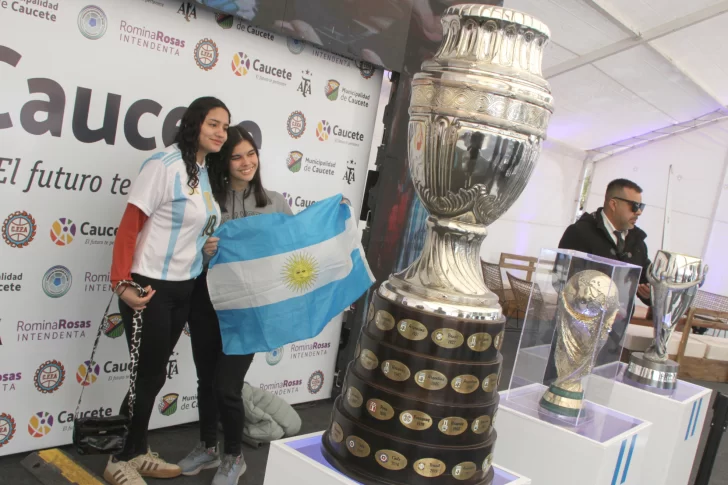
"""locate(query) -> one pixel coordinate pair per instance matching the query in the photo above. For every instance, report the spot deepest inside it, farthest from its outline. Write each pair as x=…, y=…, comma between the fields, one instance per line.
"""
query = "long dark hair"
x=219, y=169
x=188, y=136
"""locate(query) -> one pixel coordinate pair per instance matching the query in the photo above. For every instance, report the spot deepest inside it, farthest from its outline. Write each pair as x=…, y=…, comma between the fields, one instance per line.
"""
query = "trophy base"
x=373, y=457
x=657, y=375
x=562, y=402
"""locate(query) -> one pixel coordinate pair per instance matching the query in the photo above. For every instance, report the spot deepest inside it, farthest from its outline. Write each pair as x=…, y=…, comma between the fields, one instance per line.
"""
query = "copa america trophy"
x=420, y=398
x=588, y=306
x=674, y=280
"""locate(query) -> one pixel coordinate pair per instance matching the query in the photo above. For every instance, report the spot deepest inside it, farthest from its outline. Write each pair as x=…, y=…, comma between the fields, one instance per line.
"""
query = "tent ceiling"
x=622, y=68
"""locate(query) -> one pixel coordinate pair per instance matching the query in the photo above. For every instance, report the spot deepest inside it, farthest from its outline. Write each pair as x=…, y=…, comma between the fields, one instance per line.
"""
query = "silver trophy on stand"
x=674, y=280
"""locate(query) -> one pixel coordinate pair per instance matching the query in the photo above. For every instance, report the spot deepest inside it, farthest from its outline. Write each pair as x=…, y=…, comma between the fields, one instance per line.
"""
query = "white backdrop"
x=66, y=164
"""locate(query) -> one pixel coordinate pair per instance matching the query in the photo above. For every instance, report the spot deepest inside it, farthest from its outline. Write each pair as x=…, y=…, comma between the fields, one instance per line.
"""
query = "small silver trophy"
x=674, y=280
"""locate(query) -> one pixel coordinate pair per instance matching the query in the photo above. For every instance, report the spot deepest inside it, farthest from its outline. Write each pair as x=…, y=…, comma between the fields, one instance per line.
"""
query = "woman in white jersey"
x=170, y=214
x=237, y=186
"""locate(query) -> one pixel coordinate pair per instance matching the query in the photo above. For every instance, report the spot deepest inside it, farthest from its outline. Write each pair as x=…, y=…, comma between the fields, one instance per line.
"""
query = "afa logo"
x=168, y=404
x=240, y=64
x=49, y=377
x=206, y=54
x=92, y=22
x=113, y=327
x=224, y=20
x=19, y=229
x=274, y=356
x=63, y=231
x=316, y=382
x=323, y=130
x=57, y=281
x=40, y=424
x=294, y=161
x=305, y=87
x=296, y=124
x=296, y=46
x=88, y=373
x=332, y=89
x=7, y=429
x=366, y=69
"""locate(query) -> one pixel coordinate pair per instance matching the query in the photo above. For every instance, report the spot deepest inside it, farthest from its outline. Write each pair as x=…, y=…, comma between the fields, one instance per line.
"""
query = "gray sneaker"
x=199, y=459
x=230, y=471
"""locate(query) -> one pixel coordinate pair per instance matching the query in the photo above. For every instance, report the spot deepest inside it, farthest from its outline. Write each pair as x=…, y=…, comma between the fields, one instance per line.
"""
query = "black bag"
x=107, y=435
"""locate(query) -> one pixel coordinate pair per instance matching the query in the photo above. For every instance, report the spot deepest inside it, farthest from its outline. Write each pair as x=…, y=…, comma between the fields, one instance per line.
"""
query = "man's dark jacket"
x=589, y=235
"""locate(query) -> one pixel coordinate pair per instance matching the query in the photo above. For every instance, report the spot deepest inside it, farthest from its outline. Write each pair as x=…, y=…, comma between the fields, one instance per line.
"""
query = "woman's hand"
x=131, y=297
x=210, y=247
x=346, y=201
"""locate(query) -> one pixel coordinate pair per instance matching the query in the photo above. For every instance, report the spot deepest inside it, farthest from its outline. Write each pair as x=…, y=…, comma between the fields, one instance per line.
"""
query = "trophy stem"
x=447, y=276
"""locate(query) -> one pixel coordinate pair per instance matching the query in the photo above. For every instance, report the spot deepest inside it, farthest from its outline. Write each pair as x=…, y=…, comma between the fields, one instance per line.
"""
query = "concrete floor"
x=174, y=443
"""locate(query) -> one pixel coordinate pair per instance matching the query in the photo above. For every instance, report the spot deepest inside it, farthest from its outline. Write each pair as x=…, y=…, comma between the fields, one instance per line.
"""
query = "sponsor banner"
x=76, y=133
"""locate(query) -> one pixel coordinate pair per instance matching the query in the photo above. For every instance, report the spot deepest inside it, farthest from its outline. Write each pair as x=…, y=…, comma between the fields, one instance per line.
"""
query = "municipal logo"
x=92, y=22
x=274, y=356
x=19, y=229
x=63, y=231
x=240, y=64
x=366, y=69
x=49, y=377
x=289, y=198
x=295, y=46
x=316, y=382
x=323, y=130
x=40, y=424
x=206, y=54
x=168, y=404
x=332, y=89
x=7, y=429
x=296, y=124
x=113, y=327
x=294, y=161
x=57, y=281
x=224, y=20
x=87, y=373
x=300, y=272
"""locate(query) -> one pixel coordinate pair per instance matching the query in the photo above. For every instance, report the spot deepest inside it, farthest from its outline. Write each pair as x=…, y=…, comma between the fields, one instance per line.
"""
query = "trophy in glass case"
x=419, y=400
x=588, y=306
x=674, y=280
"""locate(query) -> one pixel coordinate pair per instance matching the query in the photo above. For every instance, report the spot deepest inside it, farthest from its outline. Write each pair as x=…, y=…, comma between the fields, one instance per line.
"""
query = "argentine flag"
x=278, y=279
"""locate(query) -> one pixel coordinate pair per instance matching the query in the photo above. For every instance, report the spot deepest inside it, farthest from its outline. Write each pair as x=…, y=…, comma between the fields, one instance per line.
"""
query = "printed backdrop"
x=87, y=93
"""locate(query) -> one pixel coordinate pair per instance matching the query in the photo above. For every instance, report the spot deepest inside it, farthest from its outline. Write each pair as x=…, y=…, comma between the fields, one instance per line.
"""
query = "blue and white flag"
x=278, y=279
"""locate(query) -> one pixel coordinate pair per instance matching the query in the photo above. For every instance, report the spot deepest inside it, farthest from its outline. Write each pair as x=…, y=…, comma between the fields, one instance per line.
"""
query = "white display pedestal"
x=606, y=449
x=299, y=461
x=677, y=421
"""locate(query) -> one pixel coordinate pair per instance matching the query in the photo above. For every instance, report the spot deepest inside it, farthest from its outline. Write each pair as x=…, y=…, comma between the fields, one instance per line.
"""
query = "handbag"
x=107, y=435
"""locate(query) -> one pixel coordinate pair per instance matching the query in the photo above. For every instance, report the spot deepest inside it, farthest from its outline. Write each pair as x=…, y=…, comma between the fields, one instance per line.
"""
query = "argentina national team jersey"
x=169, y=247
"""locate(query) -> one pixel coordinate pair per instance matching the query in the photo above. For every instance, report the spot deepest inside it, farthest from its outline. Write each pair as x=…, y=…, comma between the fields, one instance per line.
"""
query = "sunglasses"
x=636, y=206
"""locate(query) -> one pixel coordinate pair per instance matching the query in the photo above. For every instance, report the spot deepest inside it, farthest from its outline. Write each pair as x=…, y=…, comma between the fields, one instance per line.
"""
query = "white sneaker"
x=151, y=465
x=122, y=473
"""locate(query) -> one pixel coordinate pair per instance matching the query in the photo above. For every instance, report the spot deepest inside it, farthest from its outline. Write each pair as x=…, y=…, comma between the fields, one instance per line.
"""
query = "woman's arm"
x=125, y=243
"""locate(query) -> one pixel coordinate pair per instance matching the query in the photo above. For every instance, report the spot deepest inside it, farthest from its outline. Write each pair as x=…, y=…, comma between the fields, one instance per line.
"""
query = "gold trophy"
x=588, y=306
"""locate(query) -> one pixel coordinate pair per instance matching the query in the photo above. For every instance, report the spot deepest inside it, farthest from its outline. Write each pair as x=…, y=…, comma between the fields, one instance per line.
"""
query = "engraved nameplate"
x=499, y=339
x=395, y=370
x=490, y=383
x=448, y=338
x=464, y=470
x=465, y=384
x=429, y=467
x=354, y=397
x=480, y=342
x=337, y=434
x=368, y=359
x=412, y=330
x=379, y=409
x=481, y=425
x=431, y=380
x=415, y=420
x=384, y=321
x=452, y=426
x=391, y=460
x=357, y=446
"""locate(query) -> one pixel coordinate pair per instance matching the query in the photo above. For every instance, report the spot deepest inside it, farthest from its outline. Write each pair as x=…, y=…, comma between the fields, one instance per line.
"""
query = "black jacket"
x=589, y=235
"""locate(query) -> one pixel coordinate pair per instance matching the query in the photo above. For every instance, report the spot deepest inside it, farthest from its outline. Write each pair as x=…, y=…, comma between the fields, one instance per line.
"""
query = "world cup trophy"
x=674, y=279
x=588, y=307
x=419, y=400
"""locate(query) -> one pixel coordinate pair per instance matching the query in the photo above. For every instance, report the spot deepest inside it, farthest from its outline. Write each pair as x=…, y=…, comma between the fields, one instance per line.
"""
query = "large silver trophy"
x=419, y=400
x=674, y=280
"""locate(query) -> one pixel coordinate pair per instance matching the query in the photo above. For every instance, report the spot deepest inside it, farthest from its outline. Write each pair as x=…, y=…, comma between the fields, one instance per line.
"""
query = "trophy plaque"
x=588, y=306
x=674, y=280
x=420, y=399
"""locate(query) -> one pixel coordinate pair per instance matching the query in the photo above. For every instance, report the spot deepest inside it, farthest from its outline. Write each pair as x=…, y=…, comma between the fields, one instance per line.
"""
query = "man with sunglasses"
x=611, y=232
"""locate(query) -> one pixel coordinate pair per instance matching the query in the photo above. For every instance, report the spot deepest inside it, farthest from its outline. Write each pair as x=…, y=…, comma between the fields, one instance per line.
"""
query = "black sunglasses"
x=636, y=206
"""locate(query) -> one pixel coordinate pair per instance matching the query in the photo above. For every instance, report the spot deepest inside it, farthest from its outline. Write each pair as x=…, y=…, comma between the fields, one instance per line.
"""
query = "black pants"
x=162, y=322
x=219, y=377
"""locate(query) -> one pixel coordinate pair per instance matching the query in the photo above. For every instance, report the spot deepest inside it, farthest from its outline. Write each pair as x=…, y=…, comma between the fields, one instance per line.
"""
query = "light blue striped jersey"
x=169, y=247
